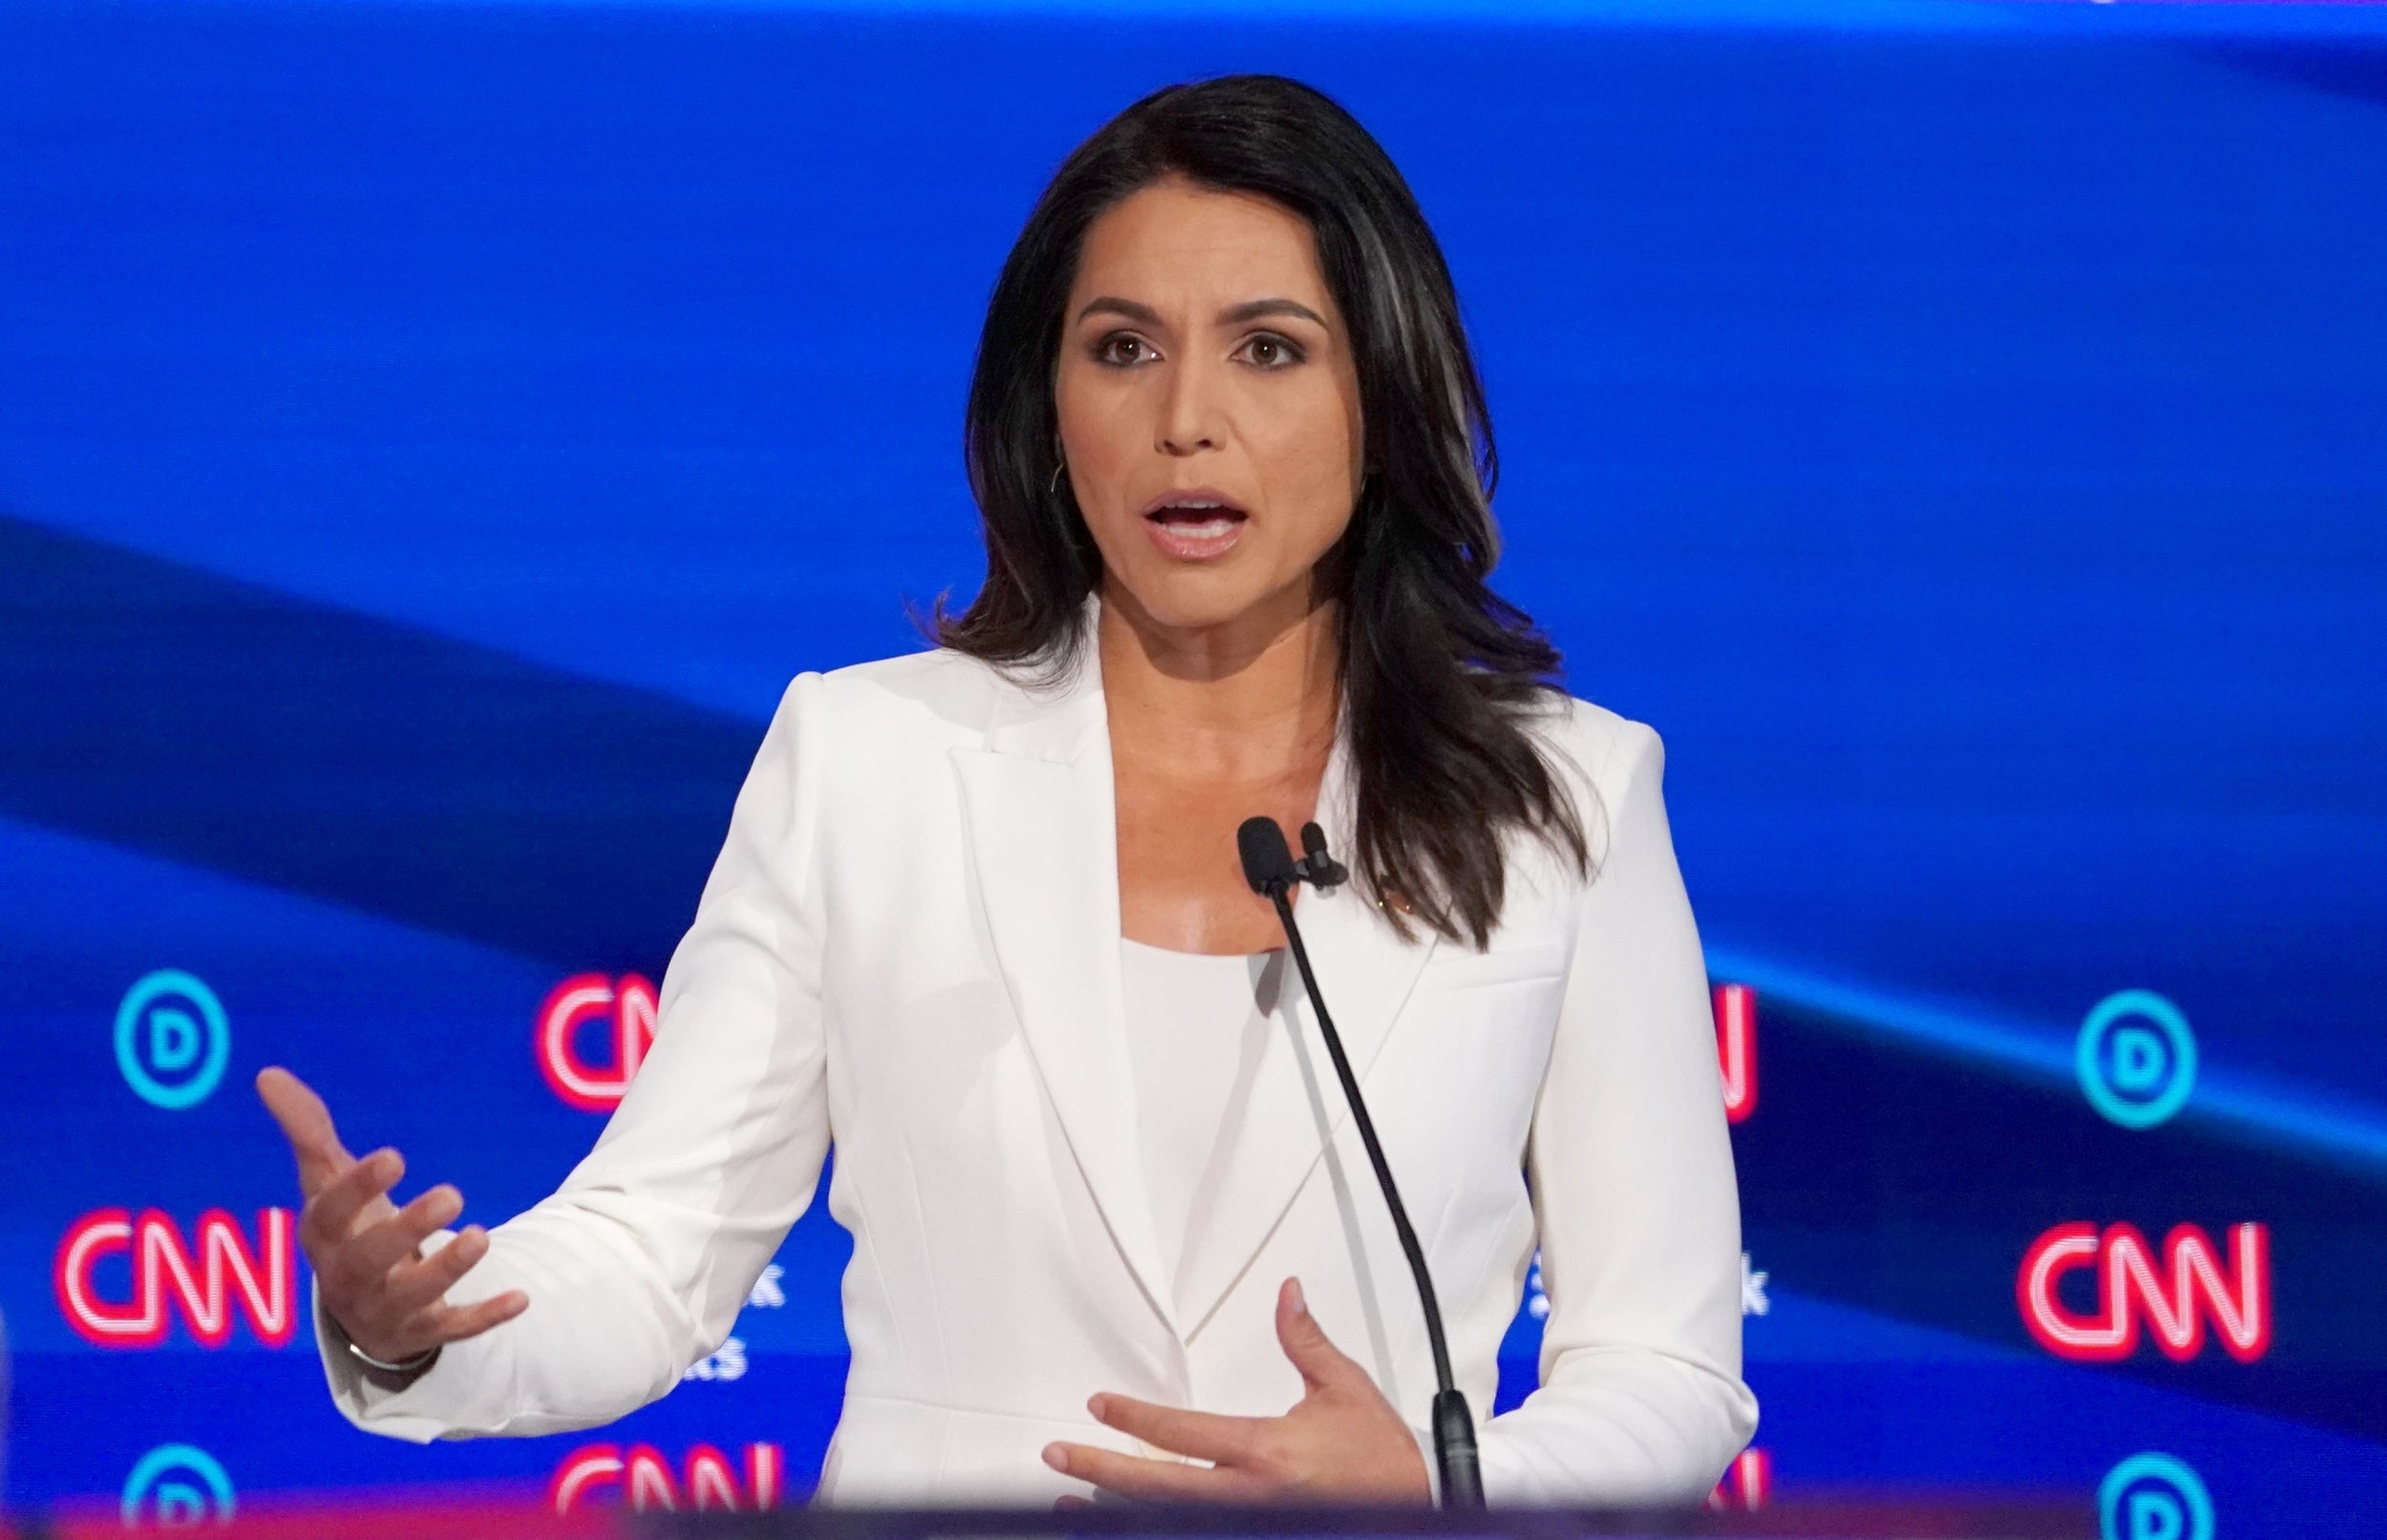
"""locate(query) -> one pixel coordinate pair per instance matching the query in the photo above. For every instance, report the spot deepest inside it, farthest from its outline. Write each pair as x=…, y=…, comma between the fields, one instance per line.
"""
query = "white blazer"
x=910, y=942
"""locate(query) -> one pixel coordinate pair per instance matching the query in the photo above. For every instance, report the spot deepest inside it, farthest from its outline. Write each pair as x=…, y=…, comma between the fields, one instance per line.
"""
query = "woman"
x=980, y=914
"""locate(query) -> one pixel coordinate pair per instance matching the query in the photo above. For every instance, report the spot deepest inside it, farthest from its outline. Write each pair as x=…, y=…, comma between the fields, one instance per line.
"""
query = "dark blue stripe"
x=380, y=767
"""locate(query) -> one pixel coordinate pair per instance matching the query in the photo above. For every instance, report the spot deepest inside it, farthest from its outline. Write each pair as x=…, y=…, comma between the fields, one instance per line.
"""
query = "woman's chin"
x=1211, y=600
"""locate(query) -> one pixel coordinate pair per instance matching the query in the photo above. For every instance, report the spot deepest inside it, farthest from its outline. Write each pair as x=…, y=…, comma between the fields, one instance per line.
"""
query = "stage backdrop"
x=432, y=434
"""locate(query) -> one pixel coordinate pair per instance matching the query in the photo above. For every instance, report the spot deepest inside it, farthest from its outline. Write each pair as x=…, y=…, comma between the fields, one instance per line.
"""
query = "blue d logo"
x=175, y=1484
x=2153, y=1497
x=172, y=1040
x=2135, y=1058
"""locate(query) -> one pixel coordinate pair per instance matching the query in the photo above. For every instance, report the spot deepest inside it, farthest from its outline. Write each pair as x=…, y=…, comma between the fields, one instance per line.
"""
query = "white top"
x=911, y=942
x=1197, y=1026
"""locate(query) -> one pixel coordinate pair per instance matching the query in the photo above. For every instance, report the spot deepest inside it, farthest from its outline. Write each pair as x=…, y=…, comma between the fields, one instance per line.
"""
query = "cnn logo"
x=2174, y=1300
x=204, y=1280
x=625, y=1010
x=1735, y=1008
x=1748, y=1482
x=648, y=1483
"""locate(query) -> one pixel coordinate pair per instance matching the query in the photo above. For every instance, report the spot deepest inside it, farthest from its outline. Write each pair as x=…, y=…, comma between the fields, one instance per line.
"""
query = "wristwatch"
x=420, y=1361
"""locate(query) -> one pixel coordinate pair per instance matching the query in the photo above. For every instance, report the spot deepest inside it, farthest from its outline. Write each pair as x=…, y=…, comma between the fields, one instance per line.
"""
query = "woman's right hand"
x=366, y=1251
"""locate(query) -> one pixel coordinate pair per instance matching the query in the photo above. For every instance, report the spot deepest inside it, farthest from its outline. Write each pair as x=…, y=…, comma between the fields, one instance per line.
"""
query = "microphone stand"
x=1270, y=868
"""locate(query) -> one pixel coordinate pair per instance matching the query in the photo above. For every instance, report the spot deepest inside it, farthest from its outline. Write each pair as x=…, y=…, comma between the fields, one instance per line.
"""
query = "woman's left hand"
x=1341, y=1442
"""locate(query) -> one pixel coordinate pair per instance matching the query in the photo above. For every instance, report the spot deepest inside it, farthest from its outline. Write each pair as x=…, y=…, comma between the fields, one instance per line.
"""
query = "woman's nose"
x=1189, y=411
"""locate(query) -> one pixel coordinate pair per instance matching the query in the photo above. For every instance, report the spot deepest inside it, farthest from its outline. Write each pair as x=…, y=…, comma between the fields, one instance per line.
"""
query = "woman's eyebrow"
x=1234, y=315
x=1142, y=315
x=1254, y=309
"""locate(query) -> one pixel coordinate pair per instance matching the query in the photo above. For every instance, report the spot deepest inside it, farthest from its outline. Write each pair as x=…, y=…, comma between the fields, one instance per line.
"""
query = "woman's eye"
x=1272, y=352
x=1122, y=348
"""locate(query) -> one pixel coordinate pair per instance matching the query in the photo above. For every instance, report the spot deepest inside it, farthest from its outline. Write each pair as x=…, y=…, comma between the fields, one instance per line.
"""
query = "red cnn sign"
x=627, y=1008
x=1748, y=1482
x=206, y=1281
x=1736, y=1047
x=648, y=1483
x=2175, y=1303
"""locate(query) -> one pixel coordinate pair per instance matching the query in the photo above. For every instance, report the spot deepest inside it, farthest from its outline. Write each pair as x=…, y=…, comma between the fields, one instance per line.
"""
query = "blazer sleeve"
x=638, y=1264
x=1630, y=1164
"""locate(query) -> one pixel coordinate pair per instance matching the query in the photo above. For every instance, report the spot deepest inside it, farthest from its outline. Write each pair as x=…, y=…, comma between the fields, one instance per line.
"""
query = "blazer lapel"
x=1366, y=974
x=1043, y=827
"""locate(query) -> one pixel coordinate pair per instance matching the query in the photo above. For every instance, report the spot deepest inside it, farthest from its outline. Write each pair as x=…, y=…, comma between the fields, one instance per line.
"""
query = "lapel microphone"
x=1269, y=867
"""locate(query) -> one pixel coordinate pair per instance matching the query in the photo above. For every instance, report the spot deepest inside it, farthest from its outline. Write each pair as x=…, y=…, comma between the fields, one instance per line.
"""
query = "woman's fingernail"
x=1094, y=1406
x=1300, y=1307
x=1057, y=1457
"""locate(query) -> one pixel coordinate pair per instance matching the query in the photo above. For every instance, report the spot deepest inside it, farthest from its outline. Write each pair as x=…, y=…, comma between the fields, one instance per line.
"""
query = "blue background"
x=430, y=435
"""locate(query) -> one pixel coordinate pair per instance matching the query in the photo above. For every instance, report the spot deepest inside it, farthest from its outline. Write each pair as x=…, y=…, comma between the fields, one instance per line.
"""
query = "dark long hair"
x=1437, y=672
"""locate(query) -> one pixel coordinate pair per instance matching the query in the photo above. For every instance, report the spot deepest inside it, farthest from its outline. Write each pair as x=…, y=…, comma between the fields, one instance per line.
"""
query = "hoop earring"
x=1053, y=488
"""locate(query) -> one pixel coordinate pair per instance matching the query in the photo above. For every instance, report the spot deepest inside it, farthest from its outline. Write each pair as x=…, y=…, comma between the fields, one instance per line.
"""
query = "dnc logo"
x=172, y=1040
x=175, y=1486
x=2135, y=1058
x=2153, y=1497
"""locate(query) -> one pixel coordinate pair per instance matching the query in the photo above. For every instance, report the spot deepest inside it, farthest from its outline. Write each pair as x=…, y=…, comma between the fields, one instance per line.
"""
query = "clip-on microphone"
x=1269, y=867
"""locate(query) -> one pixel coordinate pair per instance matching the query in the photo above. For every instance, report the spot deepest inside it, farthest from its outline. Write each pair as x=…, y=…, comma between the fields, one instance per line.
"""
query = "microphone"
x=1269, y=867
x=1321, y=868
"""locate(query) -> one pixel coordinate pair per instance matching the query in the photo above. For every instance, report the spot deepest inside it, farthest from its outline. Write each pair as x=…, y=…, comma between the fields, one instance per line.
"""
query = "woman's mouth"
x=1199, y=525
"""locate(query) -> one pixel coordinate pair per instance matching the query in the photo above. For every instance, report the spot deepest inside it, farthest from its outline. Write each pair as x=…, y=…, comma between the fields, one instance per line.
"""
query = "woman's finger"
x=454, y=1323
x=330, y=1216
x=418, y=1286
x=1202, y=1435
x=306, y=1123
x=438, y=1326
x=377, y=1248
x=1150, y=1481
x=1323, y=1367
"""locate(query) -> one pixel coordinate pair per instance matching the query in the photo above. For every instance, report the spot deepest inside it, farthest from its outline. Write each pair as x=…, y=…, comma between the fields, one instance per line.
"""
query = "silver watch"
x=419, y=1361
